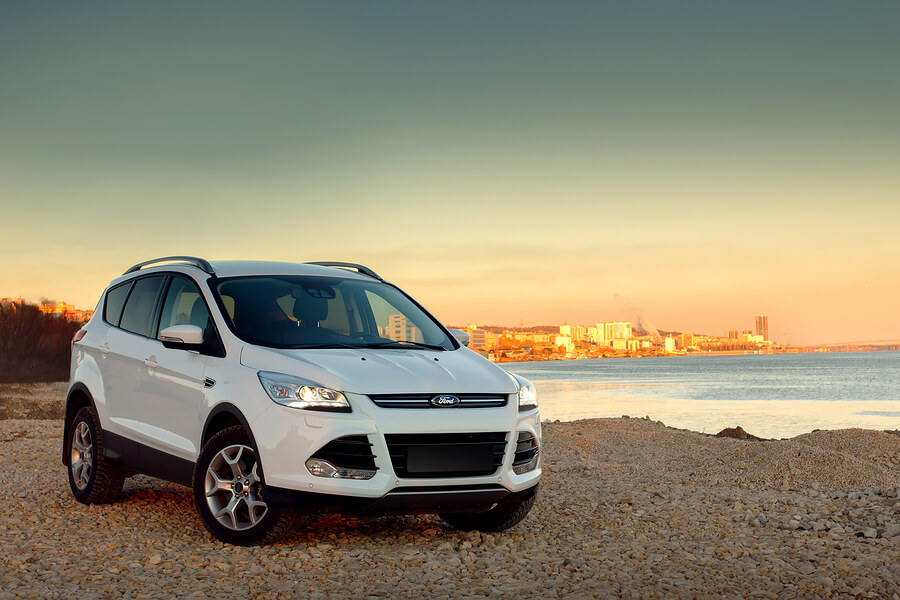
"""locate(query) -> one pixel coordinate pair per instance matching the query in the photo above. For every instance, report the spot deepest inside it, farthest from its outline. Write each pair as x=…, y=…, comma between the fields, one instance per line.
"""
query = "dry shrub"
x=33, y=346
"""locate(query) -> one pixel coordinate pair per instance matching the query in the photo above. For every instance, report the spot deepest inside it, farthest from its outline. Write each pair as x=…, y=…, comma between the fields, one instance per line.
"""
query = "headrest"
x=310, y=310
x=199, y=314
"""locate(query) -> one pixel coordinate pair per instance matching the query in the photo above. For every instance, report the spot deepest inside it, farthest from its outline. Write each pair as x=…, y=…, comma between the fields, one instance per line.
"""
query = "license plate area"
x=459, y=459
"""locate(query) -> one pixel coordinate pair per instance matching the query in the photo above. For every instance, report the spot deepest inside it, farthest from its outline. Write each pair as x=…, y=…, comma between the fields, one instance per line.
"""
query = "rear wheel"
x=499, y=518
x=229, y=492
x=92, y=478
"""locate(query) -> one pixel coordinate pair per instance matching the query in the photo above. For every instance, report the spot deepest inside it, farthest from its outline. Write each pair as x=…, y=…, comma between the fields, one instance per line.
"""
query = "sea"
x=768, y=395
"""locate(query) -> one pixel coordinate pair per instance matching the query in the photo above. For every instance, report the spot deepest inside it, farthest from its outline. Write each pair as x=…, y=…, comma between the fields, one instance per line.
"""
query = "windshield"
x=293, y=311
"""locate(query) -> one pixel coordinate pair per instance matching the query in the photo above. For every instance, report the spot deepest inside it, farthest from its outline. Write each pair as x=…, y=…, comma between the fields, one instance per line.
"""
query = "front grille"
x=348, y=452
x=446, y=454
x=424, y=400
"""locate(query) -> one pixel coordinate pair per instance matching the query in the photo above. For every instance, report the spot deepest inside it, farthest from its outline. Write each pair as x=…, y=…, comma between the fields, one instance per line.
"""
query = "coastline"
x=698, y=354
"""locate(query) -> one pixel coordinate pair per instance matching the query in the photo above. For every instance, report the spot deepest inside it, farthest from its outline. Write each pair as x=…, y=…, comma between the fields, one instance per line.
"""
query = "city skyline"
x=687, y=165
x=597, y=332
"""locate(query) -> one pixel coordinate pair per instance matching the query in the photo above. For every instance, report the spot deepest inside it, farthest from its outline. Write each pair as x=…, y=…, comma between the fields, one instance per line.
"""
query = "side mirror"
x=461, y=336
x=182, y=337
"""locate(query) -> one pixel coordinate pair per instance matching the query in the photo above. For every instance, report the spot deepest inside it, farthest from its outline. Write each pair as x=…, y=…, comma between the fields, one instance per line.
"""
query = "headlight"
x=299, y=393
x=527, y=397
x=527, y=393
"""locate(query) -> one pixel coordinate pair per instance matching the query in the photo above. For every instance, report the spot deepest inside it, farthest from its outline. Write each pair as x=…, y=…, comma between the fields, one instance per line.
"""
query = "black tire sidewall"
x=223, y=439
x=85, y=415
x=500, y=518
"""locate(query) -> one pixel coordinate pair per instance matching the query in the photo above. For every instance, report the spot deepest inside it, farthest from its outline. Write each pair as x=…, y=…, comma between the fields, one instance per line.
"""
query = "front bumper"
x=293, y=436
x=403, y=500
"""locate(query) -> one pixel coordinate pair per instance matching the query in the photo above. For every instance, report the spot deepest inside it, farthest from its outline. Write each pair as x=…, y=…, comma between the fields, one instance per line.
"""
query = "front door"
x=176, y=377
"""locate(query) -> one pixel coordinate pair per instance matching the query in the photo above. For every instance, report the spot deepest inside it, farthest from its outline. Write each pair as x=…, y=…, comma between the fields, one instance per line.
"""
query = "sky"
x=691, y=164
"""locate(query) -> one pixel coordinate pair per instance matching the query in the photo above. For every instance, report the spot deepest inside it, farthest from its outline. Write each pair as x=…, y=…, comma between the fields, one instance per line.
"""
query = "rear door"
x=129, y=345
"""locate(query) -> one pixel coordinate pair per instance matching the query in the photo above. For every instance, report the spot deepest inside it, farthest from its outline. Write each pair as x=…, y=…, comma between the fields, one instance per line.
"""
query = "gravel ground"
x=628, y=508
x=32, y=400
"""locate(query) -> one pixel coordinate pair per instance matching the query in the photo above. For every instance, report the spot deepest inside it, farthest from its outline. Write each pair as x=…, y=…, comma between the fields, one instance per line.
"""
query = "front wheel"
x=228, y=492
x=499, y=518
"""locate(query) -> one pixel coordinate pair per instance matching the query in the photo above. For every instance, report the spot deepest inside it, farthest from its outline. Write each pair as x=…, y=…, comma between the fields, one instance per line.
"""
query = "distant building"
x=565, y=341
x=762, y=326
x=57, y=310
x=66, y=311
x=733, y=334
x=669, y=344
x=401, y=328
x=579, y=333
x=618, y=330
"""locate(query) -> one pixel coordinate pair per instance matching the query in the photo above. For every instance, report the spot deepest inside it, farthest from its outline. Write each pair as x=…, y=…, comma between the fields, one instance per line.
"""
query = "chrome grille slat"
x=424, y=400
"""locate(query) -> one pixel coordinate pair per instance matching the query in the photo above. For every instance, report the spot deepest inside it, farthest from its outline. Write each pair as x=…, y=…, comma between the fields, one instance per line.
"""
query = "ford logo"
x=444, y=400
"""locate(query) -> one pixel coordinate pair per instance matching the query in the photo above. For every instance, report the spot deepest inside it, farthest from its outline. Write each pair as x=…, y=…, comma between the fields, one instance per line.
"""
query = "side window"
x=184, y=305
x=138, y=313
x=115, y=300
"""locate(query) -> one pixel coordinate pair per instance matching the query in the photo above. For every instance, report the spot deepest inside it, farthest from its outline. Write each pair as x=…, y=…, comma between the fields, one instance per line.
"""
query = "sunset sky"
x=689, y=163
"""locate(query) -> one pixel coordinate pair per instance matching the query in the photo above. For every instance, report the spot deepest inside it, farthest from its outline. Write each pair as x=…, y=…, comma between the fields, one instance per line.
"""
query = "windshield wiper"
x=322, y=346
x=404, y=344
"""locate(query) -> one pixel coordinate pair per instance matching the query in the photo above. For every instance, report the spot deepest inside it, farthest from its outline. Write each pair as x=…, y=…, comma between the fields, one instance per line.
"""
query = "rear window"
x=115, y=300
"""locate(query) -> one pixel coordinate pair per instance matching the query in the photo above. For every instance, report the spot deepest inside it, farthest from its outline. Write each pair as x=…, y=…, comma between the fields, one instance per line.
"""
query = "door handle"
x=151, y=362
x=104, y=349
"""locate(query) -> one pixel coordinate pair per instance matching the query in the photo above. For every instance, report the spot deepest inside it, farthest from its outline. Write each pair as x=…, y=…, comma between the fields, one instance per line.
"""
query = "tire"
x=228, y=492
x=92, y=478
x=499, y=518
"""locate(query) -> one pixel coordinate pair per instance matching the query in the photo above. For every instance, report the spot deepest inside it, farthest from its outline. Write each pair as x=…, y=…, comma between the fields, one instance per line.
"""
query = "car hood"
x=386, y=371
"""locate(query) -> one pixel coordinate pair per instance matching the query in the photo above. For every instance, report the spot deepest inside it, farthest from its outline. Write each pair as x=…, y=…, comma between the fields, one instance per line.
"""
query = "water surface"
x=770, y=395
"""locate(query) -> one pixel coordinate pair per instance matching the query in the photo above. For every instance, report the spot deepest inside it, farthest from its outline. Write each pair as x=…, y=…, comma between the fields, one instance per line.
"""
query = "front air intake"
x=417, y=455
x=349, y=452
x=527, y=453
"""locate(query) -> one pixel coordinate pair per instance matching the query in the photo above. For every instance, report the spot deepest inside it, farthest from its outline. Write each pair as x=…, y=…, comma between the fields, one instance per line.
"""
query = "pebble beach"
x=628, y=508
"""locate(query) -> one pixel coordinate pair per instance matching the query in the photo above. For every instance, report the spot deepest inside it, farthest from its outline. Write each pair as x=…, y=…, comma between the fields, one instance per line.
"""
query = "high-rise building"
x=762, y=326
x=618, y=330
x=579, y=333
x=565, y=341
x=401, y=328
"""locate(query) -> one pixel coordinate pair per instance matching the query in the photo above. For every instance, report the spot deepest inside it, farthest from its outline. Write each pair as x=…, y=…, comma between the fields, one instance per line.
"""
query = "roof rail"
x=345, y=265
x=200, y=263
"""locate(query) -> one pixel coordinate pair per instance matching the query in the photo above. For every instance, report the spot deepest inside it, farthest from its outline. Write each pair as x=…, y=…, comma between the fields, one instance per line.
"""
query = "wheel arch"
x=78, y=397
x=223, y=416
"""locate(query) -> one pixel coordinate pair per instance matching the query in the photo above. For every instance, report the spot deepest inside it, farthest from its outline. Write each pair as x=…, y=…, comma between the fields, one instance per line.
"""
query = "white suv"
x=271, y=386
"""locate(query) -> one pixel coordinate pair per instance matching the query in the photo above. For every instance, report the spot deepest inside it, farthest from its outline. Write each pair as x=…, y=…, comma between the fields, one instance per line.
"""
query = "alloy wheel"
x=233, y=488
x=82, y=457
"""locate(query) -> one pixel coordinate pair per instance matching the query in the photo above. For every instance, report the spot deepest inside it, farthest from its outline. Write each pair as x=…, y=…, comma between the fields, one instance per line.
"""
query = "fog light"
x=531, y=465
x=323, y=468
